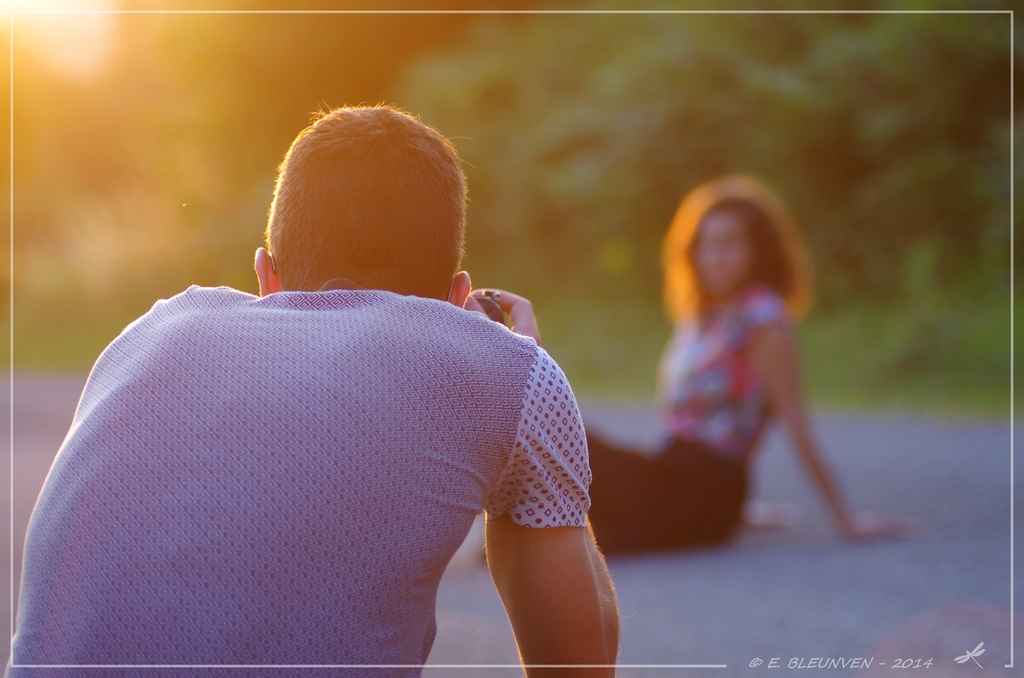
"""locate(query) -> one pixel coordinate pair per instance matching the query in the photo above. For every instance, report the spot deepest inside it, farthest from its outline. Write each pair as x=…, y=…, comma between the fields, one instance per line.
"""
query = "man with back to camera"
x=281, y=480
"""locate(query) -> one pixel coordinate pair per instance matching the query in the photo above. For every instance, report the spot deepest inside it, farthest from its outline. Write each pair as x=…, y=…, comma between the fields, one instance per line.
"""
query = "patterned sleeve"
x=545, y=481
x=763, y=306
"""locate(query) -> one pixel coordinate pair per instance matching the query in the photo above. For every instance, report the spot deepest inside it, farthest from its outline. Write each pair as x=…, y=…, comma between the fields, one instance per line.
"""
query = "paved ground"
x=793, y=594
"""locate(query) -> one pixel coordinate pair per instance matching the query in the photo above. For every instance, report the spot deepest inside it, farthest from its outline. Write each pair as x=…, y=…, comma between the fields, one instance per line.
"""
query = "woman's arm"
x=775, y=357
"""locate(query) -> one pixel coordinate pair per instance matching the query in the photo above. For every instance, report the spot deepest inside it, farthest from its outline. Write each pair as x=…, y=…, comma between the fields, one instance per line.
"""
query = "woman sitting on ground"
x=736, y=277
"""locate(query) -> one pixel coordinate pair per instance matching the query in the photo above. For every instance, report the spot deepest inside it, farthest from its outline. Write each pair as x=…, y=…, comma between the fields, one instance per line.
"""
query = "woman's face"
x=724, y=255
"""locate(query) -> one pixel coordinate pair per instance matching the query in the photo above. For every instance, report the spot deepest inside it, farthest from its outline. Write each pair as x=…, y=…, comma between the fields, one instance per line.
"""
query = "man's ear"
x=461, y=287
x=265, y=273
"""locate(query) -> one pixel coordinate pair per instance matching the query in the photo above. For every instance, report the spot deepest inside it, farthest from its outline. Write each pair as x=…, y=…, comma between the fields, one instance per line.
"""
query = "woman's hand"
x=519, y=310
x=775, y=357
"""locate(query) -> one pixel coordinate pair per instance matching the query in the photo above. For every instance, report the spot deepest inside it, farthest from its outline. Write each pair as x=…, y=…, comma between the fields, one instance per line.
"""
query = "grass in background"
x=65, y=340
x=608, y=349
x=951, y=359
x=947, y=358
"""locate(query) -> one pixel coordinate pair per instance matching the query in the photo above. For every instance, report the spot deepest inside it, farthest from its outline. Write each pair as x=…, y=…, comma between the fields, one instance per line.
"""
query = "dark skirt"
x=685, y=496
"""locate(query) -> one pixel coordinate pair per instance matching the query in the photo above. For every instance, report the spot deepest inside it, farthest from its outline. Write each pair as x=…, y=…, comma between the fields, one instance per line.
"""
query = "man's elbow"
x=611, y=633
x=607, y=600
x=609, y=606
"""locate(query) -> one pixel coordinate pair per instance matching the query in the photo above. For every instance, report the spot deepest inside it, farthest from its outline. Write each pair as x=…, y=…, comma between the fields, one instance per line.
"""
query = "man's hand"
x=519, y=310
x=558, y=595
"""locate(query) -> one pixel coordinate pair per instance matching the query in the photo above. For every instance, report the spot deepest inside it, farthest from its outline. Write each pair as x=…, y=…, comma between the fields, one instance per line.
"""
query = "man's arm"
x=558, y=595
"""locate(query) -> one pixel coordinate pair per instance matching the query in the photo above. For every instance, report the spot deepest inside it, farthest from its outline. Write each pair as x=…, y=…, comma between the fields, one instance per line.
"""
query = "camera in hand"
x=490, y=306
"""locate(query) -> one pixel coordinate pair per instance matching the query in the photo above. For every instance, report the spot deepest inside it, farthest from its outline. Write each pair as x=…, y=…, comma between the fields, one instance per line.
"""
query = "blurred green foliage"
x=888, y=136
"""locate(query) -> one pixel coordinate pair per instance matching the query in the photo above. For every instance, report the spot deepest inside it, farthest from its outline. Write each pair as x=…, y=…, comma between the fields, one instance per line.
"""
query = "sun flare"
x=73, y=38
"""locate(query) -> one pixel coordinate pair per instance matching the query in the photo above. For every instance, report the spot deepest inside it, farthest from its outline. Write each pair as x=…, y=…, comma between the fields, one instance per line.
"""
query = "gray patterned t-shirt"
x=282, y=481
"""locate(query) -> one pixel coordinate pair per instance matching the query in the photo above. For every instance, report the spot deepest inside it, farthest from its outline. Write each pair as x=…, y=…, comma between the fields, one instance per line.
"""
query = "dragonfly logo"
x=976, y=652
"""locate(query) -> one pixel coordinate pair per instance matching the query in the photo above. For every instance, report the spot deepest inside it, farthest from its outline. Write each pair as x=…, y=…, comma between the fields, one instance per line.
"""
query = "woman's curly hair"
x=780, y=257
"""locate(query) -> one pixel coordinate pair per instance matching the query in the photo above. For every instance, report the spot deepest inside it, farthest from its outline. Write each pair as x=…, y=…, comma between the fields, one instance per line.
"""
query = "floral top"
x=708, y=387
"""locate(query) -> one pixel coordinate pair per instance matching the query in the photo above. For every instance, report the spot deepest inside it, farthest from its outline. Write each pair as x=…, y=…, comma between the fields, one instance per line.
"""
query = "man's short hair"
x=373, y=195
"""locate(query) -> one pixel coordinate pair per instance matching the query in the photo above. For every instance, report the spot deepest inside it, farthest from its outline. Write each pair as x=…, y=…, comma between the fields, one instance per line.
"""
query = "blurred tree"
x=885, y=133
x=157, y=172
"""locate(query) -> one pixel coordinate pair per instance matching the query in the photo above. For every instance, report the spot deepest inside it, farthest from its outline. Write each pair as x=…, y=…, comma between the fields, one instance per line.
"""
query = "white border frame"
x=13, y=12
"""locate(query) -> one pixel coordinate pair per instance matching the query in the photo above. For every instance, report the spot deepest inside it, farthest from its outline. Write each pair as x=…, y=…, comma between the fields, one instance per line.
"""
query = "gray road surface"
x=793, y=594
